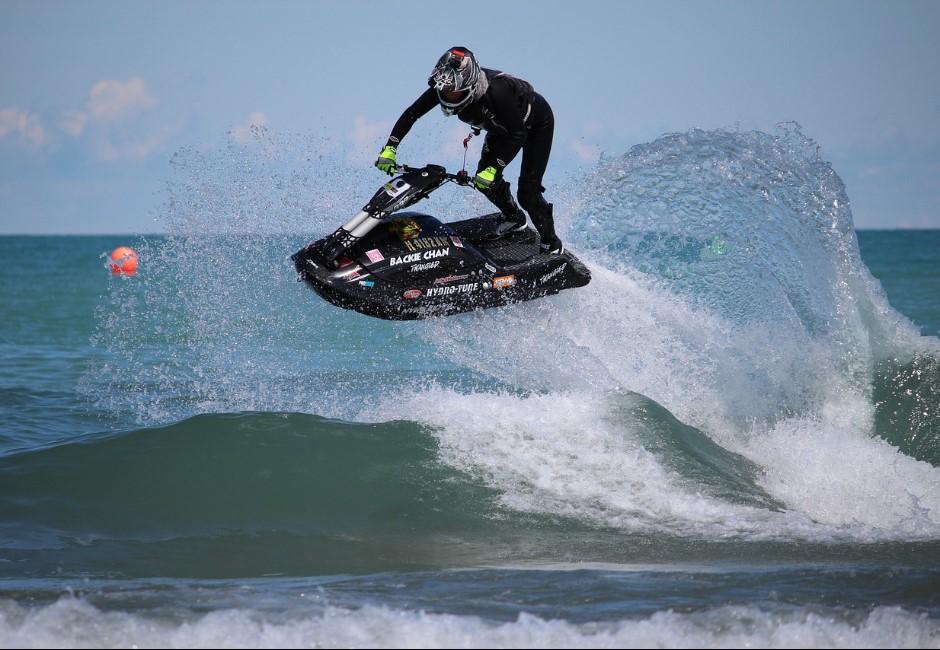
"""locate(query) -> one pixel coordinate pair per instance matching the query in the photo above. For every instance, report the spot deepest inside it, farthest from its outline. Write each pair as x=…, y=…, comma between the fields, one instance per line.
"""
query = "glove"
x=485, y=178
x=386, y=161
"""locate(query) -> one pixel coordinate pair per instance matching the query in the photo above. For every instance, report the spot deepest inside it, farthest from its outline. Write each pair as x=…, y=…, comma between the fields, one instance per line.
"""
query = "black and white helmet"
x=458, y=79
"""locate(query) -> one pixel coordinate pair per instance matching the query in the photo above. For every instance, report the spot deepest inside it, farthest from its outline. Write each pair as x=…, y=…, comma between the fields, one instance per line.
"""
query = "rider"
x=514, y=117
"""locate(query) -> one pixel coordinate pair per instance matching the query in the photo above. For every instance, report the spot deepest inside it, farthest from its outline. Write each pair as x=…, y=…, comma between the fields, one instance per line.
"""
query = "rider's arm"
x=507, y=113
x=420, y=108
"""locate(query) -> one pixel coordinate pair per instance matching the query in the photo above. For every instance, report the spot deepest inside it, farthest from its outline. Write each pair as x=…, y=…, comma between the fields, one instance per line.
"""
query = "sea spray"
x=218, y=323
x=728, y=290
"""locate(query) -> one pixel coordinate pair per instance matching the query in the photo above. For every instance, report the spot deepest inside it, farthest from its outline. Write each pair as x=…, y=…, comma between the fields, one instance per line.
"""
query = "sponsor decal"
x=366, y=283
x=375, y=255
x=455, y=288
x=313, y=264
x=411, y=294
x=504, y=281
x=394, y=188
x=427, y=266
x=490, y=267
x=423, y=243
x=551, y=274
x=405, y=229
x=457, y=242
x=451, y=278
x=411, y=258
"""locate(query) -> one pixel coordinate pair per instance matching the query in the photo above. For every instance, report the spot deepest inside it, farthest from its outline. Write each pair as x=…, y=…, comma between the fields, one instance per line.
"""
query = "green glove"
x=386, y=161
x=485, y=178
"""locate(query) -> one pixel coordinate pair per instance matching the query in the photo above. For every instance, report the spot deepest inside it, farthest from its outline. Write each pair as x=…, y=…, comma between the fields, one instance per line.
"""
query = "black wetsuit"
x=514, y=117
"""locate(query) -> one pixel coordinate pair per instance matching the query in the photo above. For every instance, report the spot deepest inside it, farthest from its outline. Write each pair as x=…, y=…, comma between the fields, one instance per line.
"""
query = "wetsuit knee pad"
x=530, y=196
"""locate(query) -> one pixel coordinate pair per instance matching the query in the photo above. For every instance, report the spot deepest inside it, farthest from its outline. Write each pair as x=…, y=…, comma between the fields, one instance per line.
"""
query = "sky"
x=96, y=97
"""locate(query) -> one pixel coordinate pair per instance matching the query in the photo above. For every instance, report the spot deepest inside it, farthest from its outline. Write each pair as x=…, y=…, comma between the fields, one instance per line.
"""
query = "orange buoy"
x=123, y=261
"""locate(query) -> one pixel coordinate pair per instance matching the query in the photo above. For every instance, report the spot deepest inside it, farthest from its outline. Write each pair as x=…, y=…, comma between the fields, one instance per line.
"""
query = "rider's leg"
x=535, y=154
x=500, y=195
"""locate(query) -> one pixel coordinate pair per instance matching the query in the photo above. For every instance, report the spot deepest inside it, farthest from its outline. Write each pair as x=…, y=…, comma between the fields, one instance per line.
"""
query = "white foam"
x=847, y=480
x=73, y=623
x=559, y=454
x=553, y=454
x=626, y=330
x=558, y=451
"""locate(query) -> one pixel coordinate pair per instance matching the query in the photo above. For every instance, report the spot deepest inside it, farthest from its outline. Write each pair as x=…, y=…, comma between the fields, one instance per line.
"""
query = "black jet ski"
x=408, y=265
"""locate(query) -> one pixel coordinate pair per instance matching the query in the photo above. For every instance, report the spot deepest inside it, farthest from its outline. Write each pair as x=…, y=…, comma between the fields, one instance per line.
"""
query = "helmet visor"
x=454, y=100
x=453, y=97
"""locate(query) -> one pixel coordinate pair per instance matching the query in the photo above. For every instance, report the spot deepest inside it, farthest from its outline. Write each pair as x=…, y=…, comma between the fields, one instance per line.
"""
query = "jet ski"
x=404, y=265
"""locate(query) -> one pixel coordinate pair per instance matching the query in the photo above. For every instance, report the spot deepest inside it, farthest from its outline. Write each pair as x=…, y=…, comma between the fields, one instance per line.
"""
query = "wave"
x=733, y=371
x=295, y=494
x=728, y=288
x=906, y=398
x=297, y=473
x=732, y=626
x=315, y=486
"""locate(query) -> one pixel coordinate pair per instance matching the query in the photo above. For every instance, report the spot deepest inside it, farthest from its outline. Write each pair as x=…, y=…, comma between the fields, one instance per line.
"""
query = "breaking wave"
x=733, y=371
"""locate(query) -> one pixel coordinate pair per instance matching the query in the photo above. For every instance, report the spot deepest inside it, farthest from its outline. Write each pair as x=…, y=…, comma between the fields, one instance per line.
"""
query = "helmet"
x=458, y=79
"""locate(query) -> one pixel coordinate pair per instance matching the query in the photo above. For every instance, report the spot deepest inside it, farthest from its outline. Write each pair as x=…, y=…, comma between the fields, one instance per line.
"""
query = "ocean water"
x=730, y=438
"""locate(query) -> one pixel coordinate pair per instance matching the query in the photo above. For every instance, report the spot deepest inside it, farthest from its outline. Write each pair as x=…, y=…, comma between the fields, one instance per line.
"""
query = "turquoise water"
x=906, y=264
x=730, y=437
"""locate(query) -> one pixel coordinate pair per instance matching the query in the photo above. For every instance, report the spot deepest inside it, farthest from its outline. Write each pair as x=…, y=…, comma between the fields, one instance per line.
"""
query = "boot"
x=552, y=247
x=544, y=222
x=512, y=225
x=514, y=219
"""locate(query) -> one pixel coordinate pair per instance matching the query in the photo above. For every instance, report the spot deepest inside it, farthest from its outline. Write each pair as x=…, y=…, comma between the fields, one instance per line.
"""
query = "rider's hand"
x=386, y=161
x=485, y=178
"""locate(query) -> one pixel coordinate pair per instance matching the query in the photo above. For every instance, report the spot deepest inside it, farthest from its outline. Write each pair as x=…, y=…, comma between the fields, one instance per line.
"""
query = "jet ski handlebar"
x=461, y=177
x=417, y=184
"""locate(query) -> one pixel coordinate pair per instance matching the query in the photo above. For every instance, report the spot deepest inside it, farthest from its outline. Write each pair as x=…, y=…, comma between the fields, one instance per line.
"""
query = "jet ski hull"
x=416, y=267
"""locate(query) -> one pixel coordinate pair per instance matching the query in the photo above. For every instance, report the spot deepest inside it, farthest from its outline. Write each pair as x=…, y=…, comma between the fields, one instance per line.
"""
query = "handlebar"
x=461, y=177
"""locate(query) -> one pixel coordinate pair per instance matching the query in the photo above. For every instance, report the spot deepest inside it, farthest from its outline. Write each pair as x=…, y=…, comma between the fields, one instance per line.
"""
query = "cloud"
x=111, y=121
x=109, y=100
x=27, y=126
x=586, y=153
x=74, y=123
x=109, y=150
x=244, y=134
